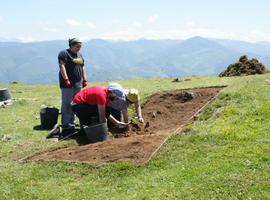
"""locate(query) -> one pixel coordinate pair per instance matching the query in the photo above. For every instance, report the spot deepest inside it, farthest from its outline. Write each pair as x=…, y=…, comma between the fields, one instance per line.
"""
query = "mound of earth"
x=163, y=112
x=244, y=67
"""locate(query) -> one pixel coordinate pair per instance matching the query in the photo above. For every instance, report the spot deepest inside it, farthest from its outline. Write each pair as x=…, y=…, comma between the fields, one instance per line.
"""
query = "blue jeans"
x=68, y=116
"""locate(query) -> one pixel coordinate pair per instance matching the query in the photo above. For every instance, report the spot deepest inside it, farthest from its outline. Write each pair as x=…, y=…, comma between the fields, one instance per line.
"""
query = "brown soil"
x=163, y=113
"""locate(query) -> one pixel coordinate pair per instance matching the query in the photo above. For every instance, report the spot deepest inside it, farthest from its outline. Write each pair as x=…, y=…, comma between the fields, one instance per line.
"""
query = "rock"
x=176, y=80
x=185, y=96
x=14, y=82
x=147, y=125
x=189, y=95
x=5, y=138
x=154, y=114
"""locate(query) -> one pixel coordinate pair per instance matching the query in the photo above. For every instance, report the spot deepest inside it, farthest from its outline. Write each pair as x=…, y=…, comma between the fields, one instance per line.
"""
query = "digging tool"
x=67, y=136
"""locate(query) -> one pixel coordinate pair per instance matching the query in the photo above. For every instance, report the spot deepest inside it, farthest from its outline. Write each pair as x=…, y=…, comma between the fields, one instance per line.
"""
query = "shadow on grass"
x=40, y=128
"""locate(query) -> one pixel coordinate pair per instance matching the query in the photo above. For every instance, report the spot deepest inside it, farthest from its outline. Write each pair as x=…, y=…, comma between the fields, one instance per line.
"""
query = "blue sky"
x=36, y=20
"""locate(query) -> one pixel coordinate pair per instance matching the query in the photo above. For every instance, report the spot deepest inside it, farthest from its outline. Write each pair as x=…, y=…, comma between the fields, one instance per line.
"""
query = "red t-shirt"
x=92, y=95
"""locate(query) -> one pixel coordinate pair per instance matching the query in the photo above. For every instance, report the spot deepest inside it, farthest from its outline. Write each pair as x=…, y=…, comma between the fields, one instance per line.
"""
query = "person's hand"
x=140, y=119
x=84, y=83
x=67, y=82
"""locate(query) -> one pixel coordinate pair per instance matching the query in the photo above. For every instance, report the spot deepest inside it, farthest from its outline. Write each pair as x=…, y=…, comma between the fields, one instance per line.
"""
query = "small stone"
x=147, y=125
x=176, y=80
x=5, y=138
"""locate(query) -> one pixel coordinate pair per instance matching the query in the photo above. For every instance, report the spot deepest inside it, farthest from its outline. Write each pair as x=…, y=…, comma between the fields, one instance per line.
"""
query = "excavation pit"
x=163, y=112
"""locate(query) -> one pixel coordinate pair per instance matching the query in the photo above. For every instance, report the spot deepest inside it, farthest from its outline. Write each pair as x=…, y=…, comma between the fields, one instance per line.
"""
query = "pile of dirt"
x=134, y=128
x=163, y=113
x=244, y=67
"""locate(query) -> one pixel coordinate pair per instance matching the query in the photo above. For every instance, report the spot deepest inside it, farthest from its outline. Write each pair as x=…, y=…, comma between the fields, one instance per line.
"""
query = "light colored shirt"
x=119, y=104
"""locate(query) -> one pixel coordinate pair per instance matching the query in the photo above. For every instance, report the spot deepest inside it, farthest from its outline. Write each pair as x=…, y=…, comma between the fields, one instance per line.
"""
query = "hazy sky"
x=34, y=20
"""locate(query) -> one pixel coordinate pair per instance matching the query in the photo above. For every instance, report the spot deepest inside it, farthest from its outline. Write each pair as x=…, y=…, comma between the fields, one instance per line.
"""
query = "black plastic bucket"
x=4, y=94
x=93, y=133
x=48, y=117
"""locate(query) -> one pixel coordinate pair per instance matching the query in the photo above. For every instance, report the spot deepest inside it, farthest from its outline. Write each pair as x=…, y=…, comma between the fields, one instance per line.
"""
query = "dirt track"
x=164, y=112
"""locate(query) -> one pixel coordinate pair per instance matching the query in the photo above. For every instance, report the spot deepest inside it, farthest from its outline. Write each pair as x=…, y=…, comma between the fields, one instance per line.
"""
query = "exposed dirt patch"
x=163, y=113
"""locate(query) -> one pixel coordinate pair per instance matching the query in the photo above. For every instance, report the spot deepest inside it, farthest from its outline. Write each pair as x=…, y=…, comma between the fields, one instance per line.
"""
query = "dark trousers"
x=88, y=114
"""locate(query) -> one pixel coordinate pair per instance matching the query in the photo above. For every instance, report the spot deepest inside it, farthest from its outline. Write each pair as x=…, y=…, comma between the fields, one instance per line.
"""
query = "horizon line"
x=4, y=40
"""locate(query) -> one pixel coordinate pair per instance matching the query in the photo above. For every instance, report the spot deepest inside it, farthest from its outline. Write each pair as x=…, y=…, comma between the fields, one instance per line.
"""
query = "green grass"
x=224, y=154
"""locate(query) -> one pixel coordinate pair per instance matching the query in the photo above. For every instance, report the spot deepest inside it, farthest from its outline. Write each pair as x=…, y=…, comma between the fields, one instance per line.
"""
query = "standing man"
x=72, y=77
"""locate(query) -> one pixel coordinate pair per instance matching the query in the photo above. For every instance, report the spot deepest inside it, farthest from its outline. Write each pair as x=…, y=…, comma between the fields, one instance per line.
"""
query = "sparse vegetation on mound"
x=244, y=67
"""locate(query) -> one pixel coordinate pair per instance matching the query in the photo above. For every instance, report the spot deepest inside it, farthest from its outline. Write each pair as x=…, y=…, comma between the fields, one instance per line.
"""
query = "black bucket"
x=4, y=94
x=93, y=133
x=48, y=117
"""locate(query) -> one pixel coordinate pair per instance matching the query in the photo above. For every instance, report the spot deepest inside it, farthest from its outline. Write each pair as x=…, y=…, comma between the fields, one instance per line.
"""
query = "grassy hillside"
x=225, y=154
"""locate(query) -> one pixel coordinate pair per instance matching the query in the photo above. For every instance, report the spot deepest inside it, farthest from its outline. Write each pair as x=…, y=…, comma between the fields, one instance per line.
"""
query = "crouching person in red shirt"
x=90, y=104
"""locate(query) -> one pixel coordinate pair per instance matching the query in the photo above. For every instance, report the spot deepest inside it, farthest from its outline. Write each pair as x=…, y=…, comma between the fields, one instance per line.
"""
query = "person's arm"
x=116, y=122
x=62, y=60
x=64, y=75
x=125, y=115
x=84, y=74
x=63, y=71
x=139, y=112
x=84, y=82
x=101, y=112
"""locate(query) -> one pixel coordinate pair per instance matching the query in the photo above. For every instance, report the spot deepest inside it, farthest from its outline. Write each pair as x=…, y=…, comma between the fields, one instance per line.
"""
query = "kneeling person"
x=90, y=104
x=120, y=106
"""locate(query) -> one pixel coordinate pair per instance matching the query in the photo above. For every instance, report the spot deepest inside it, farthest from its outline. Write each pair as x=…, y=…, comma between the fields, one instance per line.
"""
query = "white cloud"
x=167, y=34
x=191, y=24
x=76, y=23
x=122, y=35
x=190, y=29
x=153, y=18
x=84, y=38
x=90, y=25
x=1, y=19
x=49, y=29
x=73, y=22
x=116, y=21
x=26, y=38
x=137, y=24
x=256, y=35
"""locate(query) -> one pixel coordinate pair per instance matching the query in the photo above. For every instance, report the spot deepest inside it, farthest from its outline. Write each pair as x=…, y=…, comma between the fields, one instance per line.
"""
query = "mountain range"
x=36, y=62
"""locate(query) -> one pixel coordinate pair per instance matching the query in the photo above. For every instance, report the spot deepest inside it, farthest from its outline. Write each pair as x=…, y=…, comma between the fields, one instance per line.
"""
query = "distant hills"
x=112, y=60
